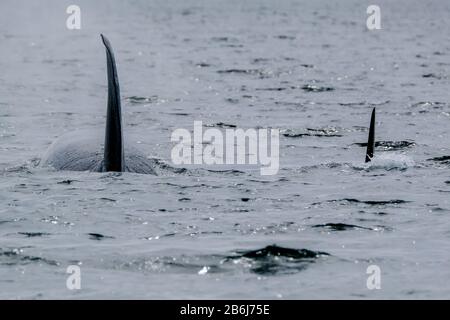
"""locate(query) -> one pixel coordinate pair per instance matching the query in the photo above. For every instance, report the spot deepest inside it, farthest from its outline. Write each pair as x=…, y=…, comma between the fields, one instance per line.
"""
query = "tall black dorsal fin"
x=113, y=159
x=371, y=140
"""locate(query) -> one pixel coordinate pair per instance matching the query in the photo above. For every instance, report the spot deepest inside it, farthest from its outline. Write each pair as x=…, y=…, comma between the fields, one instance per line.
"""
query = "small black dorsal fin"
x=371, y=140
x=113, y=159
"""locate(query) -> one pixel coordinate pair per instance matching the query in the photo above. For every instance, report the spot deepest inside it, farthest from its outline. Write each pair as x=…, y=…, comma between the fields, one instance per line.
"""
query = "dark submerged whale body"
x=85, y=150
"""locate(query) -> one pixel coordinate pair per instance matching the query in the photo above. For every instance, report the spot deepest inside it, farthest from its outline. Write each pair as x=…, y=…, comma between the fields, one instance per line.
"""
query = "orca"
x=85, y=150
x=371, y=140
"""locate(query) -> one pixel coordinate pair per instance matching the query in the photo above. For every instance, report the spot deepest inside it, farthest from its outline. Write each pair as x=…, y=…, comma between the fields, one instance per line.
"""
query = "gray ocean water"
x=311, y=69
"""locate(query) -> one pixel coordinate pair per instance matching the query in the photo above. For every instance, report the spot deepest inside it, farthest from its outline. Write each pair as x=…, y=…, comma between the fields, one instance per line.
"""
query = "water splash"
x=387, y=161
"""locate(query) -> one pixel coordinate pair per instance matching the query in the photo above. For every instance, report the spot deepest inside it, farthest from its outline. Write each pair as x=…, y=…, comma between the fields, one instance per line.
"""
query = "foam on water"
x=387, y=161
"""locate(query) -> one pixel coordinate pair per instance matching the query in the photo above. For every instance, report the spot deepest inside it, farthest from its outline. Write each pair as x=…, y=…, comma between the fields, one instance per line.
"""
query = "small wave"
x=34, y=234
x=276, y=251
x=22, y=168
x=209, y=172
x=16, y=256
x=233, y=172
x=340, y=226
x=220, y=125
x=201, y=185
x=12, y=221
x=141, y=100
x=390, y=145
x=284, y=37
x=349, y=104
x=307, y=169
x=428, y=105
x=68, y=181
x=260, y=60
x=346, y=201
x=232, y=100
x=442, y=159
x=386, y=161
x=98, y=236
x=272, y=89
x=273, y=259
x=311, y=132
x=182, y=114
x=242, y=71
x=434, y=76
x=362, y=103
x=269, y=260
x=202, y=65
x=223, y=39
x=175, y=264
x=162, y=168
x=314, y=88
